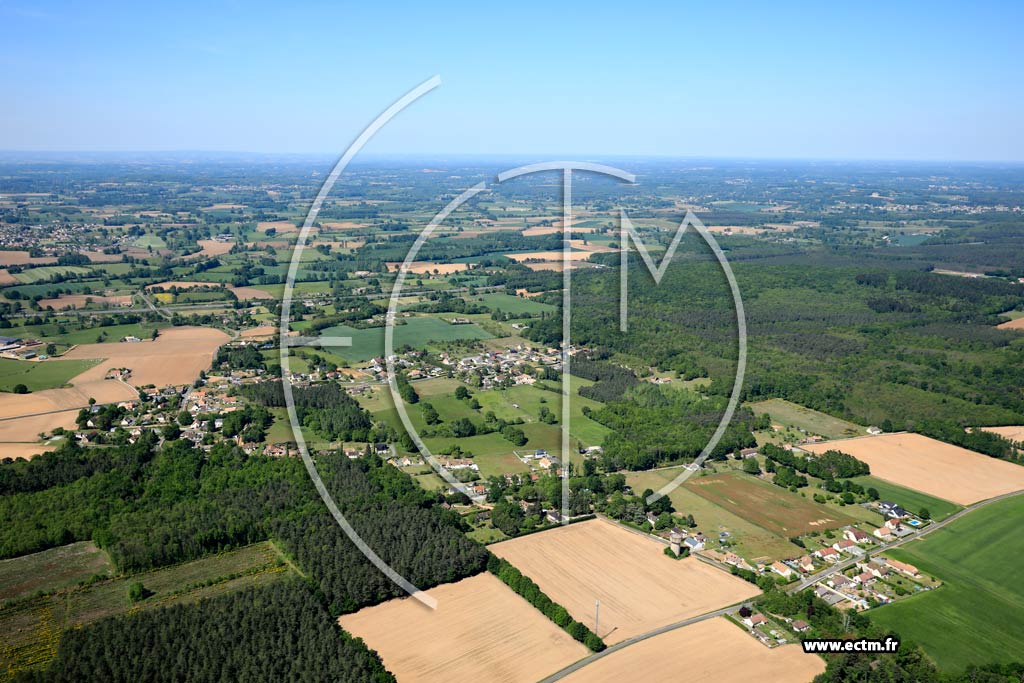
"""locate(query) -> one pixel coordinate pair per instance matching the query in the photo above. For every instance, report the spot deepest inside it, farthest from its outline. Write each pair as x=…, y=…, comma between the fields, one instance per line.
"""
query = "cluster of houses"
x=869, y=582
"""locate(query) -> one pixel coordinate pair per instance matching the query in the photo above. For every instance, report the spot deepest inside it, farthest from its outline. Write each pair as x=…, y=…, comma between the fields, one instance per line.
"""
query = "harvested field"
x=175, y=357
x=1015, y=324
x=262, y=332
x=933, y=467
x=575, y=255
x=767, y=505
x=343, y=225
x=278, y=226
x=212, y=248
x=557, y=265
x=27, y=429
x=480, y=631
x=6, y=278
x=23, y=451
x=638, y=586
x=428, y=267
x=66, y=301
x=715, y=651
x=250, y=293
x=22, y=258
x=100, y=257
x=1012, y=433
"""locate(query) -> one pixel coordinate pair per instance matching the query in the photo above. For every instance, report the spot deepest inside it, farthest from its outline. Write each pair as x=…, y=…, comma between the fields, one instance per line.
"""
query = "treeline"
x=831, y=464
x=977, y=439
x=72, y=462
x=531, y=592
x=278, y=632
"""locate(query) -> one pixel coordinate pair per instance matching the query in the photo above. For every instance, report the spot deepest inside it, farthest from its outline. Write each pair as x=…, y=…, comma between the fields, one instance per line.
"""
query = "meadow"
x=812, y=421
x=416, y=332
x=977, y=616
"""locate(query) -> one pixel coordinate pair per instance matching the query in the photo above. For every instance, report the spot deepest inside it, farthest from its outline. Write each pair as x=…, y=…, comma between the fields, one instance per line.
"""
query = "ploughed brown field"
x=767, y=505
x=480, y=631
x=639, y=587
x=933, y=467
x=711, y=651
x=175, y=358
x=22, y=258
x=212, y=248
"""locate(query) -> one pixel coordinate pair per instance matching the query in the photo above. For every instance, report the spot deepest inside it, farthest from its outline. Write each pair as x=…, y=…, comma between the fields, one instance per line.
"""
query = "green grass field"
x=978, y=615
x=146, y=241
x=46, y=272
x=793, y=415
x=39, y=375
x=32, y=626
x=513, y=304
x=416, y=332
x=112, y=333
x=910, y=499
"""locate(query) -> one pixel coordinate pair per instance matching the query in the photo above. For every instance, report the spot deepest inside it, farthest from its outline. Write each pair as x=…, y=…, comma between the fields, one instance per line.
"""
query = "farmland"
x=481, y=630
x=415, y=332
x=909, y=499
x=811, y=421
x=766, y=505
x=638, y=586
x=52, y=569
x=748, y=539
x=977, y=616
x=933, y=467
x=33, y=624
x=37, y=375
x=715, y=652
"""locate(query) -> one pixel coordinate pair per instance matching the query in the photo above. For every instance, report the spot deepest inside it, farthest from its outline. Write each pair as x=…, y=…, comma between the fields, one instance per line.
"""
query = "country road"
x=809, y=581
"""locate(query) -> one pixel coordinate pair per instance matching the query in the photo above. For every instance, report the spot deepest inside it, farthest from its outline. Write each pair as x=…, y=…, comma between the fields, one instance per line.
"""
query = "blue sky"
x=779, y=80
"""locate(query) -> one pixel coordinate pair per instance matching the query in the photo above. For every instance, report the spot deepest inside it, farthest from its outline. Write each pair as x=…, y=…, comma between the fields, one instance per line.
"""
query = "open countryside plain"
x=977, y=615
x=940, y=469
x=638, y=586
x=711, y=651
x=480, y=631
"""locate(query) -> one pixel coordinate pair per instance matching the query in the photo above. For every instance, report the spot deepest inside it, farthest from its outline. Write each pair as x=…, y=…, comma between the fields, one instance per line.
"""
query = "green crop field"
x=977, y=616
x=910, y=499
x=39, y=375
x=513, y=304
x=416, y=332
x=46, y=272
x=793, y=415
x=146, y=241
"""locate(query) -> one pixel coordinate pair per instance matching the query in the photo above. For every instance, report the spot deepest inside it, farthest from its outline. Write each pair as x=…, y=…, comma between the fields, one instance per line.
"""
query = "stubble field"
x=639, y=587
x=939, y=469
x=480, y=631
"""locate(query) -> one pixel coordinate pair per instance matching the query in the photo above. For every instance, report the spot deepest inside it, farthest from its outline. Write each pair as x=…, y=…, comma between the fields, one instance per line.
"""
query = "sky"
x=905, y=80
